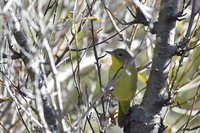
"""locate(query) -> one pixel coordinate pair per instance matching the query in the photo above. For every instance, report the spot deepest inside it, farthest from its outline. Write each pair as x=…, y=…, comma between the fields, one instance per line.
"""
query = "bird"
x=125, y=86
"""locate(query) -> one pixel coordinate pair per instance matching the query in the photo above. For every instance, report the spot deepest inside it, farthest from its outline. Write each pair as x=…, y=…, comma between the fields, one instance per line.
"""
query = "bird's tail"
x=123, y=111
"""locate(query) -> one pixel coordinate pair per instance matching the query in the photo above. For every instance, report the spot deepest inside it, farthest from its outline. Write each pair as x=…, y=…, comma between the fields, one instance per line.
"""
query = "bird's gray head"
x=121, y=54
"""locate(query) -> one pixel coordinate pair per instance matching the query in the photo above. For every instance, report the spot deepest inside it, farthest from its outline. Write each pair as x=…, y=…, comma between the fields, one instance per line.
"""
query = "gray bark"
x=147, y=117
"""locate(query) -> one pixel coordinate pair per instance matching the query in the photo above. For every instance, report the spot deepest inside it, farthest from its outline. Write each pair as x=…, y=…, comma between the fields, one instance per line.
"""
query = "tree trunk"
x=147, y=117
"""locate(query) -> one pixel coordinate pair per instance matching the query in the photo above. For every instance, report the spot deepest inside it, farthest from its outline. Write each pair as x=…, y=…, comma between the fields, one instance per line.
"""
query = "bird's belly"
x=124, y=88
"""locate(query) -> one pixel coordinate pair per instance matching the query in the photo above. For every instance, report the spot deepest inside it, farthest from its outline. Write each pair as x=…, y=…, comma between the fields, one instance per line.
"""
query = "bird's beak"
x=109, y=52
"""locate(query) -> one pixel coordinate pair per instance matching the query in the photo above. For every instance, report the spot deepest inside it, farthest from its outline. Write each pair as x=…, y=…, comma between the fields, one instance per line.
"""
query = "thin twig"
x=192, y=16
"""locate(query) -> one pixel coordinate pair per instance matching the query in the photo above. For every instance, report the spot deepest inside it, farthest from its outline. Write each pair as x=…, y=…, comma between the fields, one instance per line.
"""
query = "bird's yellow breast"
x=125, y=87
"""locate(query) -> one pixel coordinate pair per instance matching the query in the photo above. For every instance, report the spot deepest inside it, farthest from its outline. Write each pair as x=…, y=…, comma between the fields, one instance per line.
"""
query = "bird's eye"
x=120, y=54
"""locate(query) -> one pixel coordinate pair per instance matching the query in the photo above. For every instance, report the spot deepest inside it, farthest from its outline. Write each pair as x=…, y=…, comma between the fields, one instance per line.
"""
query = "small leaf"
x=4, y=99
x=91, y=18
x=142, y=78
x=69, y=120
